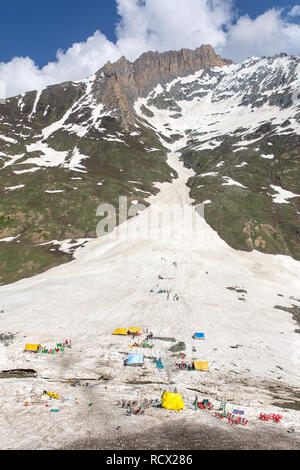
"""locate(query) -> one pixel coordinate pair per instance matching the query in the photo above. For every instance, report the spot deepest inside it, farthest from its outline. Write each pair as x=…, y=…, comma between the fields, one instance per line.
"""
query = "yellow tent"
x=33, y=348
x=172, y=401
x=199, y=365
x=120, y=331
x=135, y=330
x=53, y=395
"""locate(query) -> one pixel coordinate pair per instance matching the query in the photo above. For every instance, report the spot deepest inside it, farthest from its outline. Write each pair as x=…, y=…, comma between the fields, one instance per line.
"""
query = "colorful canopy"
x=120, y=331
x=201, y=365
x=172, y=401
x=135, y=330
x=53, y=395
x=33, y=347
x=199, y=336
x=135, y=360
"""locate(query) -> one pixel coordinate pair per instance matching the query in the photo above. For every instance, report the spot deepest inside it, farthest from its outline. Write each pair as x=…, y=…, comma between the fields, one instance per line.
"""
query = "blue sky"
x=90, y=32
x=256, y=7
x=39, y=29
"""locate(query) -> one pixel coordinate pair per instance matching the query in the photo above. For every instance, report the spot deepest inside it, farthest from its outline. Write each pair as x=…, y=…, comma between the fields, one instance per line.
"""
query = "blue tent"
x=134, y=360
x=238, y=412
x=199, y=336
x=159, y=364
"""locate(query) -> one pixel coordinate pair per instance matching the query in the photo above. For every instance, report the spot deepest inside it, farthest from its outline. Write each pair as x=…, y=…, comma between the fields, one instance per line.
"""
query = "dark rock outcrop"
x=18, y=374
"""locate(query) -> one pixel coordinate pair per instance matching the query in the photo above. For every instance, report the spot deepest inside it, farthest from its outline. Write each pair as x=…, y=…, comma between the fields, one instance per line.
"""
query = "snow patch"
x=282, y=195
x=13, y=188
x=231, y=182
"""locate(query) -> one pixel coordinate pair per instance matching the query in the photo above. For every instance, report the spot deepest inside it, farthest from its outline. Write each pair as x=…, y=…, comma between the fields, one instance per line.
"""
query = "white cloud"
x=295, y=11
x=82, y=59
x=161, y=25
x=173, y=24
x=266, y=35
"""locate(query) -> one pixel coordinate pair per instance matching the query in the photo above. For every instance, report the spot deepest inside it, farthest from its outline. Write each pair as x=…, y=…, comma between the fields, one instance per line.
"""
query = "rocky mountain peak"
x=125, y=81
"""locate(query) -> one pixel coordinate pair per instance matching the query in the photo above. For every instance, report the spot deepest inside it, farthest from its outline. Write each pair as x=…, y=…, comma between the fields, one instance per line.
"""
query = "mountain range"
x=68, y=148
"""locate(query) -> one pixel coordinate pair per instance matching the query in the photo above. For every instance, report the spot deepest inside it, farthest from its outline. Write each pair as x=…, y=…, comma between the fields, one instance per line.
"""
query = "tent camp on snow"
x=134, y=360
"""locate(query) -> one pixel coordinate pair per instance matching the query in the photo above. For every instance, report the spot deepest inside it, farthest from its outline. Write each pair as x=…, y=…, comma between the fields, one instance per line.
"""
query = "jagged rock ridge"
x=125, y=82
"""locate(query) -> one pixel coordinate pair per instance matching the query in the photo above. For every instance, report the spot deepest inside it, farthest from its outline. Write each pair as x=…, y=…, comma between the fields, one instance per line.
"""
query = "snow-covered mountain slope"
x=68, y=148
x=252, y=348
x=238, y=127
x=86, y=108
x=62, y=154
x=234, y=99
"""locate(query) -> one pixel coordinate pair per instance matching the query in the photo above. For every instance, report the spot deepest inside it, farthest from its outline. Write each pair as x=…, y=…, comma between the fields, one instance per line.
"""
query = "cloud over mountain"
x=162, y=25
